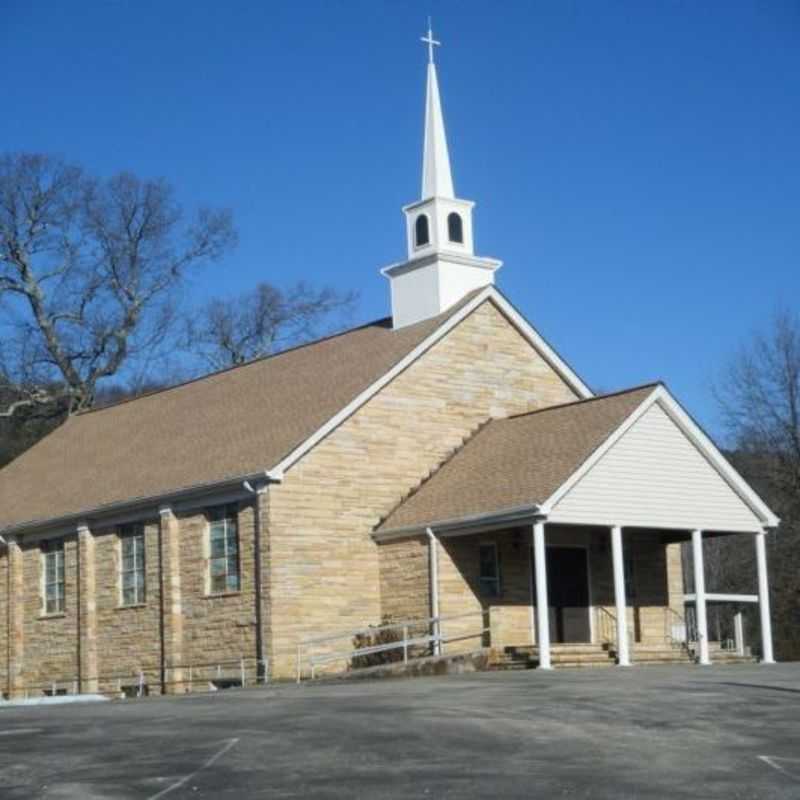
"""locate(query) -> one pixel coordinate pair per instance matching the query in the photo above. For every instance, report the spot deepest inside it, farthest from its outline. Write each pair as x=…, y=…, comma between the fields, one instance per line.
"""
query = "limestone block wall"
x=128, y=637
x=508, y=615
x=325, y=572
x=216, y=628
x=405, y=578
x=4, y=622
x=50, y=641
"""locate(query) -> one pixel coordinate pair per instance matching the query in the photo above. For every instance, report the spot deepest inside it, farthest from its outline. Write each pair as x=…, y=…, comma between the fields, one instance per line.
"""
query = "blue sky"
x=635, y=165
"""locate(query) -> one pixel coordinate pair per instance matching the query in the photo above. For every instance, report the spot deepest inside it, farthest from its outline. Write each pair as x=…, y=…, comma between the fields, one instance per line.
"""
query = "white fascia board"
x=489, y=293
x=473, y=523
x=694, y=434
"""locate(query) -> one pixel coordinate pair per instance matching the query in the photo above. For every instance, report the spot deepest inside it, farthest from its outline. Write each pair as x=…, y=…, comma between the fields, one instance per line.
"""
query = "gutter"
x=493, y=518
x=142, y=503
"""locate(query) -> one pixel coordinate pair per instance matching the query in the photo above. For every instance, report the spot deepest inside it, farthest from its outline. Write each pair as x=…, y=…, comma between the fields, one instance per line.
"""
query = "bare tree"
x=262, y=321
x=88, y=274
x=760, y=400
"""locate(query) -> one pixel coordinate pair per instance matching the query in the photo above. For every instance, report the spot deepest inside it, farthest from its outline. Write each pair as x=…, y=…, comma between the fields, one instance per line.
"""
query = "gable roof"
x=229, y=425
x=515, y=462
x=526, y=463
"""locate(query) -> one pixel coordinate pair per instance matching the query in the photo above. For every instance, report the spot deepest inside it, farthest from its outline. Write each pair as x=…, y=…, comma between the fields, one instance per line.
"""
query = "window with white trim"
x=489, y=574
x=131, y=573
x=223, y=550
x=53, y=577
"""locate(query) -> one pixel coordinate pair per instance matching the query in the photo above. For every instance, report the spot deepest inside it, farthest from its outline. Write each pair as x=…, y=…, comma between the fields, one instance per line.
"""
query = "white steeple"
x=437, y=180
x=441, y=267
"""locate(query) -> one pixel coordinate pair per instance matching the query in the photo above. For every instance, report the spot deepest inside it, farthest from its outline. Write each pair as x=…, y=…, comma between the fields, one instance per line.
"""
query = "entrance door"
x=568, y=594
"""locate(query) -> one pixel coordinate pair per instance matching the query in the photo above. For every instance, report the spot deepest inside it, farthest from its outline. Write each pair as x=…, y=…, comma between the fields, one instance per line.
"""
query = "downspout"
x=433, y=569
x=260, y=665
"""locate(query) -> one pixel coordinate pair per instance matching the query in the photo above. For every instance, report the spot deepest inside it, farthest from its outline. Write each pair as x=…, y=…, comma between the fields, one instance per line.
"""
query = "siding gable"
x=654, y=476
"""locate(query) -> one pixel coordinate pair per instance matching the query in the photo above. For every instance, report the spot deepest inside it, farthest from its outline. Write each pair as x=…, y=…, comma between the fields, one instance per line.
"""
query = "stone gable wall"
x=326, y=572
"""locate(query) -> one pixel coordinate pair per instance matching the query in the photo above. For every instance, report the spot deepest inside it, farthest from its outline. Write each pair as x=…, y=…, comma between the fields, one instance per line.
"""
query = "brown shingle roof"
x=515, y=462
x=229, y=424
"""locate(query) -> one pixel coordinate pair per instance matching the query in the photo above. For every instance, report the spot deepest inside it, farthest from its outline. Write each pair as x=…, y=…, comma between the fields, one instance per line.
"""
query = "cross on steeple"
x=430, y=41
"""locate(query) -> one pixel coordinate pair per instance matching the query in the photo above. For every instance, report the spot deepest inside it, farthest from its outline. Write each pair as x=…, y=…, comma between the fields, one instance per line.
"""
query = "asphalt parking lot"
x=645, y=732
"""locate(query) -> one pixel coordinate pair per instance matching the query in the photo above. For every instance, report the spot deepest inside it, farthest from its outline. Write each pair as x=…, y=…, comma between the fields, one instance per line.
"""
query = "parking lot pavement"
x=645, y=732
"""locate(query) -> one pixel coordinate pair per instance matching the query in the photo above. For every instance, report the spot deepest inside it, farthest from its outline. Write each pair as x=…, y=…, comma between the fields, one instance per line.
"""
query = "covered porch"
x=564, y=528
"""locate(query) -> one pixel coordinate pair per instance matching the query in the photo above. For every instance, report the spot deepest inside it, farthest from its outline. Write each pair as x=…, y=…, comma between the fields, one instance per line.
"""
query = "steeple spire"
x=437, y=180
x=442, y=267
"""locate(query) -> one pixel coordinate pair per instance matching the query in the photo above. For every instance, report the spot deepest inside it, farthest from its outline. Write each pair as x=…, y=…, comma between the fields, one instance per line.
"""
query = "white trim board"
x=513, y=316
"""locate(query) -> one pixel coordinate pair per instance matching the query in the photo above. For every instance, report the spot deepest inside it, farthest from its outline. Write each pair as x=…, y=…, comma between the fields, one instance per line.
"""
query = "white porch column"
x=623, y=657
x=738, y=633
x=542, y=609
x=763, y=599
x=700, y=595
x=433, y=570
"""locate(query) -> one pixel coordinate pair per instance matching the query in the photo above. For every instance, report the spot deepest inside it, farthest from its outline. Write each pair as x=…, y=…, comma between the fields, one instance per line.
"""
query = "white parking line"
x=208, y=763
x=773, y=762
x=20, y=731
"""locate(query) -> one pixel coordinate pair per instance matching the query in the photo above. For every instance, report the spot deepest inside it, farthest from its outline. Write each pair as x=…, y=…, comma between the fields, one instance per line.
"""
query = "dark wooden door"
x=568, y=594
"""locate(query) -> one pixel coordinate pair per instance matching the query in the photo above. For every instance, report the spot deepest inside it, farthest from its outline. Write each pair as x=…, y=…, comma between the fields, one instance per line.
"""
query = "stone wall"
x=50, y=641
x=325, y=569
x=4, y=623
x=405, y=578
x=216, y=628
x=128, y=637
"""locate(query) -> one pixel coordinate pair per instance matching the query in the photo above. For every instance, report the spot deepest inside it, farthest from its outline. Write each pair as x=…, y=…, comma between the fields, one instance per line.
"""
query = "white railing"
x=606, y=626
x=410, y=641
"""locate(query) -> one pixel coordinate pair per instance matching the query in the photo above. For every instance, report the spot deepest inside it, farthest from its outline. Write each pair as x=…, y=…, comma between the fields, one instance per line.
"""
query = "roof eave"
x=465, y=524
x=151, y=502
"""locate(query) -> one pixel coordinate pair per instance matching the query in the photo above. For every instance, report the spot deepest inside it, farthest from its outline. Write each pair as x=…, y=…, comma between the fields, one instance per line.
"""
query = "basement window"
x=489, y=575
x=53, y=569
x=223, y=548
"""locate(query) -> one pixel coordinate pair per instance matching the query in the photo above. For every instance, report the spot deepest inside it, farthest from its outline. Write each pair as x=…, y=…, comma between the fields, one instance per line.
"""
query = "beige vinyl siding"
x=654, y=476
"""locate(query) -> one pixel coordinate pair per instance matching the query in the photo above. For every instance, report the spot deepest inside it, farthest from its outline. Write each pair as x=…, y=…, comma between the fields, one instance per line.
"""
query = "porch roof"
x=515, y=462
x=633, y=458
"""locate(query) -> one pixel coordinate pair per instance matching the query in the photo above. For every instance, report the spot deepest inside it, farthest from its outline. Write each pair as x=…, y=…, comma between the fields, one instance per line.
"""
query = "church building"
x=443, y=468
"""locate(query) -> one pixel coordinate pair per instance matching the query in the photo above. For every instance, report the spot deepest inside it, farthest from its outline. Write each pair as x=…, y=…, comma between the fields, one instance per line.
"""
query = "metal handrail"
x=433, y=623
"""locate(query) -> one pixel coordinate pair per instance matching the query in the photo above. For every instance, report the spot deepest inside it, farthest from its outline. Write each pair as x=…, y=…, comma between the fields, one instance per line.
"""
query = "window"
x=132, y=583
x=421, y=232
x=53, y=558
x=455, y=228
x=489, y=576
x=223, y=541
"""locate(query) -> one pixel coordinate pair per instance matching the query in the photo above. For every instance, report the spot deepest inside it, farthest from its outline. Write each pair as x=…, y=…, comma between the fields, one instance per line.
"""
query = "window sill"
x=54, y=615
x=130, y=606
x=213, y=595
